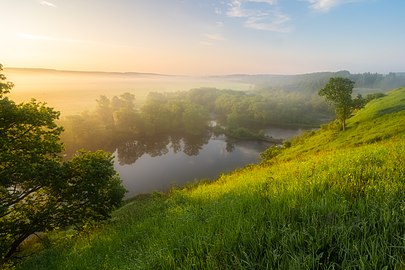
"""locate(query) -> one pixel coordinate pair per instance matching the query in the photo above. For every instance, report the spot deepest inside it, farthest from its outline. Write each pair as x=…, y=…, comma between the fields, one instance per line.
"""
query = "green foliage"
x=117, y=120
x=244, y=134
x=90, y=189
x=171, y=113
x=270, y=153
x=370, y=97
x=338, y=91
x=358, y=102
x=38, y=191
x=5, y=86
x=114, y=119
x=195, y=119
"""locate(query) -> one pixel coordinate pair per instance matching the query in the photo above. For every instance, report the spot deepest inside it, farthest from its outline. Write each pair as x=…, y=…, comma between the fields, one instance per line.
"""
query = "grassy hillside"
x=333, y=200
x=380, y=120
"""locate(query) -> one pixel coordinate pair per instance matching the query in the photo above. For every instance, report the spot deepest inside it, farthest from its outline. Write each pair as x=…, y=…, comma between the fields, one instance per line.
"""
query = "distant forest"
x=365, y=82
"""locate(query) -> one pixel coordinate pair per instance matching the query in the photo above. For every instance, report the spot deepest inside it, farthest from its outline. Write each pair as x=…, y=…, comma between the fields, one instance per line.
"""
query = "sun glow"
x=209, y=38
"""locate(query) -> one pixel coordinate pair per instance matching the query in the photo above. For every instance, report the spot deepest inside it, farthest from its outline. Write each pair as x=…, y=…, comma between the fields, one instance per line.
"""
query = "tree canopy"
x=38, y=190
x=338, y=91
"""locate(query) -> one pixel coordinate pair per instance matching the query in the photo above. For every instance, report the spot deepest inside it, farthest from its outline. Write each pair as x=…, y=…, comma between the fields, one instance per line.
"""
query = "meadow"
x=332, y=200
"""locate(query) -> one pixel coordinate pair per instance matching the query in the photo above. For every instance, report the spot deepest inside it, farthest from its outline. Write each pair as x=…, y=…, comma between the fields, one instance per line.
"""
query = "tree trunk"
x=14, y=246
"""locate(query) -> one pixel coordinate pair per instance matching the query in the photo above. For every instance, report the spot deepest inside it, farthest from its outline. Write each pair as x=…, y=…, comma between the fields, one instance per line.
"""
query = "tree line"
x=310, y=83
x=118, y=123
x=193, y=113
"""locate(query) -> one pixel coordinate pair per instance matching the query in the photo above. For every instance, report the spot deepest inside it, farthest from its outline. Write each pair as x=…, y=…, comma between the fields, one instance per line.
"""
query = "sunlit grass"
x=344, y=209
x=335, y=200
x=379, y=120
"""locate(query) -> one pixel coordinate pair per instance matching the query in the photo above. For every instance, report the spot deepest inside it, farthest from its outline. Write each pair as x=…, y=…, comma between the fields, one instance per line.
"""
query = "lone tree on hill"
x=338, y=92
x=38, y=191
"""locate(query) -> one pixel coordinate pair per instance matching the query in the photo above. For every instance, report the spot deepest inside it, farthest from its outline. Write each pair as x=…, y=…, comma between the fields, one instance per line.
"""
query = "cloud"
x=259, y=14
x=276, y=24
x=270, y=2
x=216, y=37
x=206, y=43
x=236, y=10
x=326, y=5
x=47, y=3
x=218, y=11
x=210, y=39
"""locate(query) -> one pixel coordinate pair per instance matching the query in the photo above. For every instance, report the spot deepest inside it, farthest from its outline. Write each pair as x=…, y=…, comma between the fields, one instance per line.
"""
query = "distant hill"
x=365, y=82
x=75, y=72
x=298, y=82
x=329, y=200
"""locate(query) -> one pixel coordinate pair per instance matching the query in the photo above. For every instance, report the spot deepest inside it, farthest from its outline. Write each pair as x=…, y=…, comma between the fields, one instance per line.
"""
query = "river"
x=176, y=164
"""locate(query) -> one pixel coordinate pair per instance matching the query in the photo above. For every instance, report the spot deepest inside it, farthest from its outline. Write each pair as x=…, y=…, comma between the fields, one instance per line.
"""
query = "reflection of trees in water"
x=130, y=151
x=176, y=143
x=192, y=144
x=229, y=147
x=130, y=147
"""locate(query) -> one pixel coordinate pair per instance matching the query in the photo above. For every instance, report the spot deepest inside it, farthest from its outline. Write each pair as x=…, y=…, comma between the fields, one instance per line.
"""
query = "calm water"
x=176, y=168
x=283, y=133
x=161, y=166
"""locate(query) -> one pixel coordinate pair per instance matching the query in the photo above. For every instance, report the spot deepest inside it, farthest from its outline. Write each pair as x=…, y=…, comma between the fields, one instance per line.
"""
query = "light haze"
x=204, y=37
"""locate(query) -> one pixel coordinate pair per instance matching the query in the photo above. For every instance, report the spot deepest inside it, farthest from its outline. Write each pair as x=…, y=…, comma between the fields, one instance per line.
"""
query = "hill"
x=332, y=200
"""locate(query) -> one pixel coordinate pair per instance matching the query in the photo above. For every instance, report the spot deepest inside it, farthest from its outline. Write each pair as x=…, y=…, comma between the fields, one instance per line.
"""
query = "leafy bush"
x=270, y=153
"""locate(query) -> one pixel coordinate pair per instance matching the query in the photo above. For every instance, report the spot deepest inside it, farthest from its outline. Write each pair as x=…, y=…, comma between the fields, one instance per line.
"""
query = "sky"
x=204, y=37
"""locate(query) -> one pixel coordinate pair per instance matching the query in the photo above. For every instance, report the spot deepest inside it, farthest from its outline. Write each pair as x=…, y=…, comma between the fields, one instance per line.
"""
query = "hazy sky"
x=204, y=37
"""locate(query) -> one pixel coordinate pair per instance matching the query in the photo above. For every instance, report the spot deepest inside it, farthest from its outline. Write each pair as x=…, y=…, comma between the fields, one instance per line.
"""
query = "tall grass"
x=337, y=210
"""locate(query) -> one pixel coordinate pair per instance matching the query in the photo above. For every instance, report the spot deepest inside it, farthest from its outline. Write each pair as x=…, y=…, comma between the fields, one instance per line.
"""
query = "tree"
x=338, y=91
x=195, y=119
x=358, y=102
x=5, y=87
x=38, y=191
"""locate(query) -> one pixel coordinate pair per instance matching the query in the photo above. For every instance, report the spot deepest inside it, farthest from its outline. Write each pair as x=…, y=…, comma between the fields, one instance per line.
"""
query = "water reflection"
x=182, y=160
x=157, y=163
x=129, y=151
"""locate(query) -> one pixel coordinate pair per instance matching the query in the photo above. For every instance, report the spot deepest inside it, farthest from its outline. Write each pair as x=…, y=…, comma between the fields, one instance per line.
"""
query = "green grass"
x=381, y=119
x=333, y=200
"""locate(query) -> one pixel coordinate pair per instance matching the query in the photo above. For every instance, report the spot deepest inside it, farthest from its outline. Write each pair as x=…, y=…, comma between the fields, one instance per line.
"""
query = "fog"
x=73, y=92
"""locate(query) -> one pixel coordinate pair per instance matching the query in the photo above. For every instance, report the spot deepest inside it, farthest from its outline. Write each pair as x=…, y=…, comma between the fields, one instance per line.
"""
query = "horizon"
x=34, y=69
x=205, y=38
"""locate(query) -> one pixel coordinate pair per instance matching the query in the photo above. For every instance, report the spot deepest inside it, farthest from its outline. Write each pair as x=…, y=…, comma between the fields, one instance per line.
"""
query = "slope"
x=333, y=200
